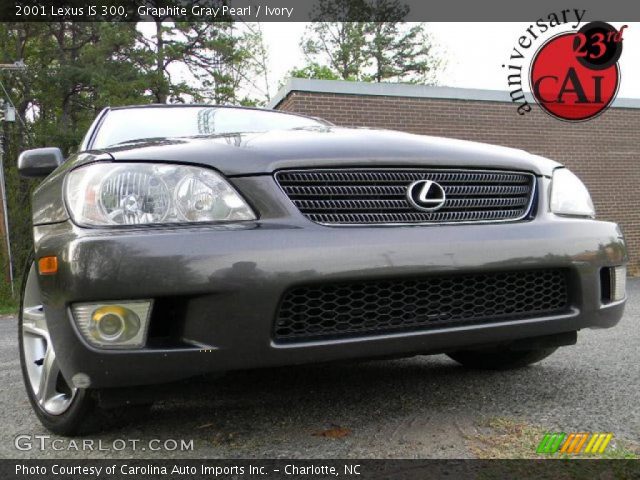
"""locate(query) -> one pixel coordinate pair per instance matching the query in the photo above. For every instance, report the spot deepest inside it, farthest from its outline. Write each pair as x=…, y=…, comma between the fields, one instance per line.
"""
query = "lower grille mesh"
x=381, y=306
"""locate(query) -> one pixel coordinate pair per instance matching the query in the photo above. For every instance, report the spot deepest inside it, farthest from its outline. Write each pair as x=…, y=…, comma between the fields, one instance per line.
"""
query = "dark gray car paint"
x=264, y=153
x=231, y=277
x=258, y=153
x=39, y=162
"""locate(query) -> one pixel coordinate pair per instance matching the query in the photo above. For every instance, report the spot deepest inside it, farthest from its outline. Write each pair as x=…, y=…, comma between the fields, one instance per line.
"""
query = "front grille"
x=382, y=306
x=379, y=196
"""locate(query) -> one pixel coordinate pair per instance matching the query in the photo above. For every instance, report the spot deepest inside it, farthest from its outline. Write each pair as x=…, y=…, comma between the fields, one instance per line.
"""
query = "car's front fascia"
x=216, y=287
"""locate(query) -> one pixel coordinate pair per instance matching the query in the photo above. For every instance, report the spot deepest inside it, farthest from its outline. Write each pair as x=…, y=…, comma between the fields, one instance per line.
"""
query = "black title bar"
x=308, y=10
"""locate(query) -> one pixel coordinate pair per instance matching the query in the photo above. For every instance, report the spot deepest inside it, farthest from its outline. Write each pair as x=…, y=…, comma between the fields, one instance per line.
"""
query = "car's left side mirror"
x=39, y=162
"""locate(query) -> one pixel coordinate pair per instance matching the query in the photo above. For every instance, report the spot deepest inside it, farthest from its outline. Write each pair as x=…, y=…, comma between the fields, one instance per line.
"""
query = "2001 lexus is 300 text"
x=183, y=240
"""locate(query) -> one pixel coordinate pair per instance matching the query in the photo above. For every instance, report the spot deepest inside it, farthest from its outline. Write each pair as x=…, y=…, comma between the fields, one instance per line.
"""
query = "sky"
x=474, y=53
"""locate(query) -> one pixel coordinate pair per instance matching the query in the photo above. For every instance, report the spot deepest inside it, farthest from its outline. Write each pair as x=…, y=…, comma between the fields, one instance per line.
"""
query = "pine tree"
x=339, y=45
x=378, y=47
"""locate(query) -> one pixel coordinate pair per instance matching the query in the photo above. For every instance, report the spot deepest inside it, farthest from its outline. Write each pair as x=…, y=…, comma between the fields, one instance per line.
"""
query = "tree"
x=258, y=63
x=313, y=70
x=378, y=46
x=76, y=69
x=401, y=54
x=73, y=71
x=339, y=45
x=219, y=57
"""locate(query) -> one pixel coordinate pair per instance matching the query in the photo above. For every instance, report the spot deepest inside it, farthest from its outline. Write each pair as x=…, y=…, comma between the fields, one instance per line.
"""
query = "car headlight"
x=144, y=193
x=569, y=196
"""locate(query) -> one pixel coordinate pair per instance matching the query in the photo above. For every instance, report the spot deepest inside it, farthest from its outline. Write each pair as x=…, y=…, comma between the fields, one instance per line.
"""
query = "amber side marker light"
x=48, y=265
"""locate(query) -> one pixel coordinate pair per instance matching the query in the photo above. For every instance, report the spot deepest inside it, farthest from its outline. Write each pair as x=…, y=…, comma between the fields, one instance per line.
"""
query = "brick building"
x=603, y=152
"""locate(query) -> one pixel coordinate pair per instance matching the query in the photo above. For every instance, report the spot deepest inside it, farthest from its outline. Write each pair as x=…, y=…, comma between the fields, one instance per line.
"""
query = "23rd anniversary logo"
x=573, y=74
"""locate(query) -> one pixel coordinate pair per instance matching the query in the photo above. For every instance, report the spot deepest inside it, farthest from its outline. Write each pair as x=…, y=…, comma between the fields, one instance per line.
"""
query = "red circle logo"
x=575, y=76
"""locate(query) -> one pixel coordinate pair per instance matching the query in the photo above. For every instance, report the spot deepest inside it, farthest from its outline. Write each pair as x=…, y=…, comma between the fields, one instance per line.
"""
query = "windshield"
x=130, y=124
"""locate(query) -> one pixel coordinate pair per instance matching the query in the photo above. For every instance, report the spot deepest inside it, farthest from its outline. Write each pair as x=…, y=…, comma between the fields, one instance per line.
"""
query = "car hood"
x=260, y=153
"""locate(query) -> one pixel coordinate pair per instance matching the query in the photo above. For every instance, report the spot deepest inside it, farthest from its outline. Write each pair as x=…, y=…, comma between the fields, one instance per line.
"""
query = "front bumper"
x=230, y=279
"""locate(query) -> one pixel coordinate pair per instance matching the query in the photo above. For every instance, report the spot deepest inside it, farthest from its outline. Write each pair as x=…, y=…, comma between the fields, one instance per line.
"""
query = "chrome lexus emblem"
x=426, y=195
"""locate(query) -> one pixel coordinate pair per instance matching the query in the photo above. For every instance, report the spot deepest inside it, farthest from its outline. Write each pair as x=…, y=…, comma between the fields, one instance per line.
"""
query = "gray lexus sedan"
x=184, y=240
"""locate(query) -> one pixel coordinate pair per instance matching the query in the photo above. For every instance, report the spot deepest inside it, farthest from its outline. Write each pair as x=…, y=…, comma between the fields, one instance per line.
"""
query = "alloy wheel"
x=50, y=390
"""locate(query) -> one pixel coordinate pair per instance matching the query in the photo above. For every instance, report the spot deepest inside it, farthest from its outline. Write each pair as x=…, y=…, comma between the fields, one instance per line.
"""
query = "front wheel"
x=500, y=359
x=61, y=408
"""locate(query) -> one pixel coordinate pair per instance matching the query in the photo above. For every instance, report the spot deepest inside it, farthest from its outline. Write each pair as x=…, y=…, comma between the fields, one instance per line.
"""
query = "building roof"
x=407, y=90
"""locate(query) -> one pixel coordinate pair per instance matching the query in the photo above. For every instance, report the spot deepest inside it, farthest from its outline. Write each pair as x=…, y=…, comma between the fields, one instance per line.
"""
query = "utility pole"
x=7, y=114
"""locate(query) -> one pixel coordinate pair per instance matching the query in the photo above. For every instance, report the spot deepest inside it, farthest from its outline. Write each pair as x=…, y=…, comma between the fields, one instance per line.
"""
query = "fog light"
x=618, y=283
x=113, y=325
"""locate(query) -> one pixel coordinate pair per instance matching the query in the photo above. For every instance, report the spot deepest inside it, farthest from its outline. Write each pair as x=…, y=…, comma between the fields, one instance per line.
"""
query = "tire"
x=60, y=408
x=500, y=359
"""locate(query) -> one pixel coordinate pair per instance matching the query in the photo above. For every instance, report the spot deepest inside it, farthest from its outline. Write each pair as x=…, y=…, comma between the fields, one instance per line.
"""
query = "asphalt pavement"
x=422, y=407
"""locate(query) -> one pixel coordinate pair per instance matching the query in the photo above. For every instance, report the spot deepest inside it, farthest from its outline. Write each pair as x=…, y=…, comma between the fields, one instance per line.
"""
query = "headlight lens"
x=143, y=193
x=569, y=196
